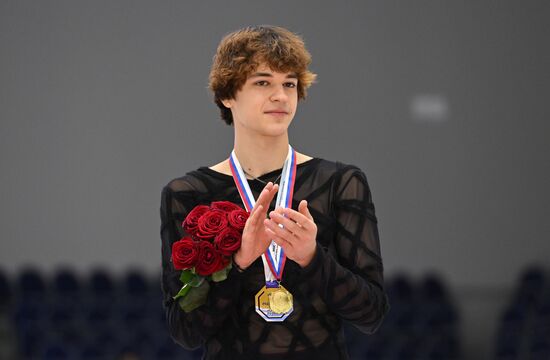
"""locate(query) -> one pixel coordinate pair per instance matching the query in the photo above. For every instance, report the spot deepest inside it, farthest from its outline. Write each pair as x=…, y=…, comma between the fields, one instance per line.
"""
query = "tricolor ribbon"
x=274, y=257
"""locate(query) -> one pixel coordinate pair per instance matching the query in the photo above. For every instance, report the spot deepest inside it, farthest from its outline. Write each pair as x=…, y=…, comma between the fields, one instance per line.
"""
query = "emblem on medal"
x=274, y=303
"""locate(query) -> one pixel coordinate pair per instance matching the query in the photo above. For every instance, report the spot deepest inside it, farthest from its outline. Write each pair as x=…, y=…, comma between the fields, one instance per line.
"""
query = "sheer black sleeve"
x=194, y=328
x=350, y=282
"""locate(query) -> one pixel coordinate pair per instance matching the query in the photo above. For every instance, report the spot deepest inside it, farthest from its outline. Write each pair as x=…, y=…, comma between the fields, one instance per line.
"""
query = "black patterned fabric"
x=344, y=281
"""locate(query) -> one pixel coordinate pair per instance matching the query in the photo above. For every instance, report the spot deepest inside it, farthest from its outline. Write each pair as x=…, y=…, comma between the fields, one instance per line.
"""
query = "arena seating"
x=422, y=324
x=97, y=317
x=102, y=316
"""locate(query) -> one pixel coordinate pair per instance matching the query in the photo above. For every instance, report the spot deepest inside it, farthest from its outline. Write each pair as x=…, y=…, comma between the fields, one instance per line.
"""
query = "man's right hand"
x=256, y=239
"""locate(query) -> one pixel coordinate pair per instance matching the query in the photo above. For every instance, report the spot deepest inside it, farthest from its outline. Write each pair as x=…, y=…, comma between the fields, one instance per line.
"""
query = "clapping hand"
x=256, y=239
x=295, y=231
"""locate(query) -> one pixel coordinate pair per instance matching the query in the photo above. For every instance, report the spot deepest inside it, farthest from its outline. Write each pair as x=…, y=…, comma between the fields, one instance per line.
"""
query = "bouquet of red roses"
x=215, y=234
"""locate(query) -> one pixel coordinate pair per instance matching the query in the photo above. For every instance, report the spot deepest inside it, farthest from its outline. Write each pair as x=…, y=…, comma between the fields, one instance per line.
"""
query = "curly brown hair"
x=241, y=52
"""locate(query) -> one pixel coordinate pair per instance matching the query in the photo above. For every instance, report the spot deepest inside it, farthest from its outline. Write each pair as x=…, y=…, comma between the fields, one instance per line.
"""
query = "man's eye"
x=291, y=85
x=261, y=82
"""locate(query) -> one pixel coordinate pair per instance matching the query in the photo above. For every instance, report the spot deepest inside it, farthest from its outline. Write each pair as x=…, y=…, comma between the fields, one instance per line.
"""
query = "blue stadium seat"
x=99, y=317
x=432, y=288
x=136, y=284
x=531, y=285
x=66, y=283
x=31, y=284
x=400, y=288
x=102, y=285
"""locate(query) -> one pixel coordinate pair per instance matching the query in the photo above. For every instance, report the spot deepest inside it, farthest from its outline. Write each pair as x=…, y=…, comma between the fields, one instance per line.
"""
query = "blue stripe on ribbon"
x=241, y=185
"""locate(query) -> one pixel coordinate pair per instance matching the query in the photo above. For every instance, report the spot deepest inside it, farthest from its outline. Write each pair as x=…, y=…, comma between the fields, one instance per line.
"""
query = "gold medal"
x=274, y=303
x=280, y=301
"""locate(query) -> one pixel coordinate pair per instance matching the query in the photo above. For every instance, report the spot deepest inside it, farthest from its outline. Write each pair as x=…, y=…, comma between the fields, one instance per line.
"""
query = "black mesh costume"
x=344, y=281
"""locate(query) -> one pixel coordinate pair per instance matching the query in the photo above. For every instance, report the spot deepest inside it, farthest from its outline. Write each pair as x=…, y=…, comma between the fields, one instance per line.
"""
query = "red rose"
x=226, y=206
x=190, y=223
x=184, y=253
x=209, y=260
x=228, y=241
x=237, y=219
x=211, y=223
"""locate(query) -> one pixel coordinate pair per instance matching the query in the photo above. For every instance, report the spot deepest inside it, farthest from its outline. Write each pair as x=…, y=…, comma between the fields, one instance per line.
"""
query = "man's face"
x=266, y=103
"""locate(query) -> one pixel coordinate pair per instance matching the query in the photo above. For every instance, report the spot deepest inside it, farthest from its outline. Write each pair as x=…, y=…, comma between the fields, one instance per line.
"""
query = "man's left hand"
x=298, y=235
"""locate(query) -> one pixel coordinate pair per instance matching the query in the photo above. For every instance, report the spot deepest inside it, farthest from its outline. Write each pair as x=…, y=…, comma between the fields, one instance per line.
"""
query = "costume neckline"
x=262, y=177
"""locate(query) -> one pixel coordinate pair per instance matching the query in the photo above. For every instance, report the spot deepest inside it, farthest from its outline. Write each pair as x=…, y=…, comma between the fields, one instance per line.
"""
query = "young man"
x=305, y=265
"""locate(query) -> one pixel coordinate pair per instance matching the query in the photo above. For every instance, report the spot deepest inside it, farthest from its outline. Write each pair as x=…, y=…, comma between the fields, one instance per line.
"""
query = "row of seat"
x=107, y=316
x=66, y=282
x=422, y=324
x=69, y=316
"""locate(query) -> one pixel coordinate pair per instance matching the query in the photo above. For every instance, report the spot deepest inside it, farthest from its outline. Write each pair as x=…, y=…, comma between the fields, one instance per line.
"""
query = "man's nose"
x=279, y=94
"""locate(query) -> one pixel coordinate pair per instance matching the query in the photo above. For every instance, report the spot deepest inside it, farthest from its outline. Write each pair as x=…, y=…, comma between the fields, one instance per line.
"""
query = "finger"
x=267, y=194
x=266, y=206
x=255, y=219
x=255, y=211
x=283, y=233
x=288, y=224
x=263, y=194
x=304, y=209
x=296, y=217
x=271, y=194
x=286, y=245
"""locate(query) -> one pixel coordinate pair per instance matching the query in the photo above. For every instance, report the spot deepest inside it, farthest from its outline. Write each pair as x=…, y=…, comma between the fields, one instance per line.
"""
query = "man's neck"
x=260, y=155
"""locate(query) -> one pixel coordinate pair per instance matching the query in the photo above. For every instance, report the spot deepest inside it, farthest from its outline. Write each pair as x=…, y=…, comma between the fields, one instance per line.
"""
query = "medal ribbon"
x=274, y=257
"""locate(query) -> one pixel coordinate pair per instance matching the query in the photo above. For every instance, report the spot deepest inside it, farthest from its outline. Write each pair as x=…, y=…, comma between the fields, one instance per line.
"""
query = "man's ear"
x=226, y=103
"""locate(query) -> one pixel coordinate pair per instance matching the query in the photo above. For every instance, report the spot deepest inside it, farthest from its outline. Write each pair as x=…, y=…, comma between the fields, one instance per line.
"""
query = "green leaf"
x=183, y=291
x=186, y=276
x=195, y=297
x=189, y=280
x=222, y=274
x=196, y=281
